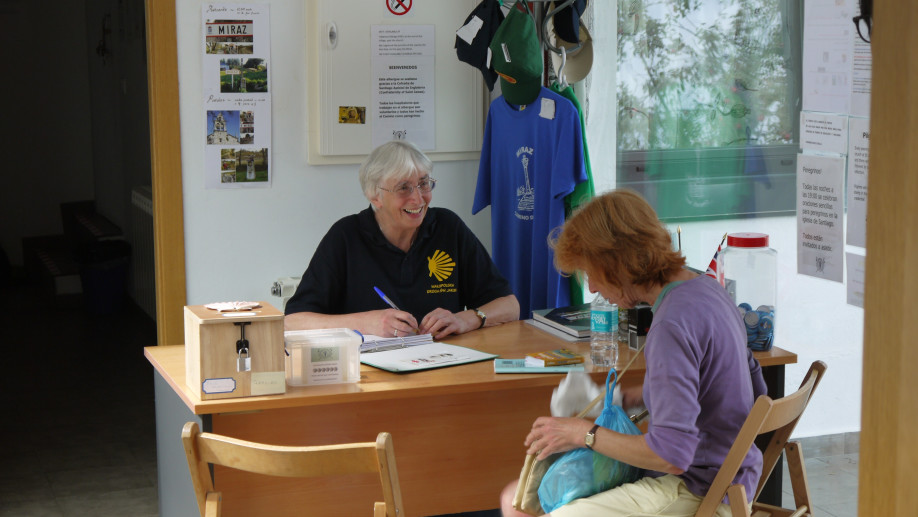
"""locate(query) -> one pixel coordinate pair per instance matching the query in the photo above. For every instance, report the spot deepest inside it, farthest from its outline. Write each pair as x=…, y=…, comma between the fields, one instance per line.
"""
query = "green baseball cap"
x=516, y=56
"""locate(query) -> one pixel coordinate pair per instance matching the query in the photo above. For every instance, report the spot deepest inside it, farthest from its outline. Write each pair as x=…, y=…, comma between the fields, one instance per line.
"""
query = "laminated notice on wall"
x=820, y=210
x=236, y=45
x=403, y=86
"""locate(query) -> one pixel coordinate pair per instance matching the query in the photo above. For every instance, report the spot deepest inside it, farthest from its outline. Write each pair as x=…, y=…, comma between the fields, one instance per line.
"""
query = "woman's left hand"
x=441, y=322
x=550, y=435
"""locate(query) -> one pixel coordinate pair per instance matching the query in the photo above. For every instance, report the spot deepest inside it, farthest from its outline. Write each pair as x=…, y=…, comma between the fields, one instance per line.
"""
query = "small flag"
x=712, y=267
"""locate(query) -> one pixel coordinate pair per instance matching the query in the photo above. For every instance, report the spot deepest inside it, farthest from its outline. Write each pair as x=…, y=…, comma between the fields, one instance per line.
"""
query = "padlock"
x=243, y=361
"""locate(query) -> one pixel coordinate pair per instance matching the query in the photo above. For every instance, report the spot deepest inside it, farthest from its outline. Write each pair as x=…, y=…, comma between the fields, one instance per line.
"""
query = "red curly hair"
x=620, y=240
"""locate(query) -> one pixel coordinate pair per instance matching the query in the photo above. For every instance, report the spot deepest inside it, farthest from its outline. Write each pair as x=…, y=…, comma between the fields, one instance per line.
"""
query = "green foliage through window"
x=709, y=104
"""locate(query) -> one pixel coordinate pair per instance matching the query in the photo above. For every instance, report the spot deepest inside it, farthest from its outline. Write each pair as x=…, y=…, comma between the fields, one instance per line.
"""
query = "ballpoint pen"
x=388, y=301
x=385, y=298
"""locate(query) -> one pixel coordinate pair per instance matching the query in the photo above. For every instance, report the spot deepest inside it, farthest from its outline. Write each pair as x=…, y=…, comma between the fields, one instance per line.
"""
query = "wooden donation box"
x=234, y=354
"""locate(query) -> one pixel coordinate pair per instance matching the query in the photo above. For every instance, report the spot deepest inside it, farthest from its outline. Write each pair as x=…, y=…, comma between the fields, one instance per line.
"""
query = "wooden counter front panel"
x=470, y=441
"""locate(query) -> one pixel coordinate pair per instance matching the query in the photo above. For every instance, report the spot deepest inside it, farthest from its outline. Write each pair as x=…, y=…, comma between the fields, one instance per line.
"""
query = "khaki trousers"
x=646, y=497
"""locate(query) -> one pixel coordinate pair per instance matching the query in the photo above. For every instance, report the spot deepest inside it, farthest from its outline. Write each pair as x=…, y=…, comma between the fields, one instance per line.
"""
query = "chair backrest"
x=205, y=449
x=767, y=415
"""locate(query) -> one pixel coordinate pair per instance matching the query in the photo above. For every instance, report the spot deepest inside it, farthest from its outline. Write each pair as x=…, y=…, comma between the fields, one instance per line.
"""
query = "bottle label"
x=601, y=320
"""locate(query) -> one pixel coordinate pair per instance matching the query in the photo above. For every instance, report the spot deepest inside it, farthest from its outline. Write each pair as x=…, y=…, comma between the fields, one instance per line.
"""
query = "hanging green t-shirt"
x=584, y=191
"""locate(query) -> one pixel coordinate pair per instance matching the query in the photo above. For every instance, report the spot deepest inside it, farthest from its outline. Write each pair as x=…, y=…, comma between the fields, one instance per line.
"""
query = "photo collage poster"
x=237, y=95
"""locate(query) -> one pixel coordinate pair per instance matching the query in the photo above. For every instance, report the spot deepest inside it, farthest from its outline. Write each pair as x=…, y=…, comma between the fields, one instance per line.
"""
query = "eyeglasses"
x=863, y=24
x=405, y=190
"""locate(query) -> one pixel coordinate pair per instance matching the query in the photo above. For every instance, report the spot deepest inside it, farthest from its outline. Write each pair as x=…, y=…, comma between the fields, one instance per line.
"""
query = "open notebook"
x=414, y=353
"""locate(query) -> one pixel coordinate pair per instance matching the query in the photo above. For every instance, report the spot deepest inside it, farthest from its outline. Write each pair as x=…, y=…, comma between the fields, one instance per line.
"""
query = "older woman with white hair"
x=425, y=260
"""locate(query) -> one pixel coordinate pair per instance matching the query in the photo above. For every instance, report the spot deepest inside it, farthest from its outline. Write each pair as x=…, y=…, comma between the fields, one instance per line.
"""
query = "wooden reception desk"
x=458, y=431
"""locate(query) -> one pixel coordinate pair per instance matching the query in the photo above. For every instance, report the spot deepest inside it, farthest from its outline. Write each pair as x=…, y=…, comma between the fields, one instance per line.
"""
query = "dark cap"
x=473, y=38
x=567, y=20
x=516, y=56
x=577, y=61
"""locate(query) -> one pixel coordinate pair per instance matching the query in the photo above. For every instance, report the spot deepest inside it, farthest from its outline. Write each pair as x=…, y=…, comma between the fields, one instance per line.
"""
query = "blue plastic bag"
x=582, y=472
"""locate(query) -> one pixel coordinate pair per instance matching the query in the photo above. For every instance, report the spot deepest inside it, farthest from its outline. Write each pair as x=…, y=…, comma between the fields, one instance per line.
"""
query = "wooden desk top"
x=511, y=340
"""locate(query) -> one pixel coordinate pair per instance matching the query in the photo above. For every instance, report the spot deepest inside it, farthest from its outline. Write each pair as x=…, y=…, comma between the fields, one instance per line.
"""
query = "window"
x=709, y=104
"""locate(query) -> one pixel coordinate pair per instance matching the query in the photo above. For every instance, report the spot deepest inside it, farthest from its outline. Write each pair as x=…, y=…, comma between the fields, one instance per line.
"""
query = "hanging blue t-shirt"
x=530, y=159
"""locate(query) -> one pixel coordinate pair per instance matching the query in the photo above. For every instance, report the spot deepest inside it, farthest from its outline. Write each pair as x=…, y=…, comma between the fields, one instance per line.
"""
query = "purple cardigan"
x=701, y=382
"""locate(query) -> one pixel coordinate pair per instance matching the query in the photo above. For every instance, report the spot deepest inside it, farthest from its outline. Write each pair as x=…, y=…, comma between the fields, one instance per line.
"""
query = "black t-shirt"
x=446, y=266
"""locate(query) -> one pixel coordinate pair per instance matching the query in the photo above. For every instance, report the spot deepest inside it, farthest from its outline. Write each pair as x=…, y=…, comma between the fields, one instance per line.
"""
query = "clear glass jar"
x=748, y=261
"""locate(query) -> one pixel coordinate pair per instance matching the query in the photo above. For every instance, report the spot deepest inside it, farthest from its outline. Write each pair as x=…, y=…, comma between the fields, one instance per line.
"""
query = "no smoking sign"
x=399, y=7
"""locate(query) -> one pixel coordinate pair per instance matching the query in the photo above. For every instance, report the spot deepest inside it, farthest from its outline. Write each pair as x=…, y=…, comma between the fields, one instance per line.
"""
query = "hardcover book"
x=557, y=357
x=573, y=320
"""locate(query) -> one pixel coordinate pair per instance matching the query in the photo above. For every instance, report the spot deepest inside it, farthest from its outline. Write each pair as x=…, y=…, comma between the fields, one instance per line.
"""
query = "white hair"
x=397, y=160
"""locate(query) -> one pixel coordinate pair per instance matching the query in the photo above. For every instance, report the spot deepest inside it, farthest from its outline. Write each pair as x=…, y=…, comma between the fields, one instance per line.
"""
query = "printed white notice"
x=823, y=132
x=858, y=150
x=403, y=84
x=827, y=48
x=820, y=196
x=236, y=55
x=861, y=66
x=856, y=271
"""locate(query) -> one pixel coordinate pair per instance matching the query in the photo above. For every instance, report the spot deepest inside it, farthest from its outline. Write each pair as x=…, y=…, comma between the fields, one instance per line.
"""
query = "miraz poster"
x=236, y=65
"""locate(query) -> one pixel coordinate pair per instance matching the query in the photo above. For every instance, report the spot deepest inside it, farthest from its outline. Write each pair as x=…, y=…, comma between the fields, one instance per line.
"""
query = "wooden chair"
x=767, y=415
x=204, y=449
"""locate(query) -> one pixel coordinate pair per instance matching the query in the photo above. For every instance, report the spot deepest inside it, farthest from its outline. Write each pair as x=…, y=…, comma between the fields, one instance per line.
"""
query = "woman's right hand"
x=550, y=435
x=390, y=323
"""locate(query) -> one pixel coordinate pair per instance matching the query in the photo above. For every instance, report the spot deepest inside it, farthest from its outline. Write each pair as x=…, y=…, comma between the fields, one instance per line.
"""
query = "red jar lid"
x=747, y=240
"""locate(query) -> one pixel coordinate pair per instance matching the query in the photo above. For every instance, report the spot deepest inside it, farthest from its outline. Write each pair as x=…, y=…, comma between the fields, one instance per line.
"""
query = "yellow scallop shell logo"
x=440, y=265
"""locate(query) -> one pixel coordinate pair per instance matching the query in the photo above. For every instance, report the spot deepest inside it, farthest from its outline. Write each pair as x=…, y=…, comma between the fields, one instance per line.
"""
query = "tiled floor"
x=78, y=429
x=831, y=468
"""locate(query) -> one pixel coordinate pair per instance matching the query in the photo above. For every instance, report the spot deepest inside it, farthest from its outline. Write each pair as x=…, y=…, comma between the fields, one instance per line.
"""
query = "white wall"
x=239, y=241
x=120, y=131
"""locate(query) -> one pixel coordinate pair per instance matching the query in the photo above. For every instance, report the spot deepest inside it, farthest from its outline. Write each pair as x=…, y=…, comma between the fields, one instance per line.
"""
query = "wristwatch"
x=482, y=316
x=590, y=438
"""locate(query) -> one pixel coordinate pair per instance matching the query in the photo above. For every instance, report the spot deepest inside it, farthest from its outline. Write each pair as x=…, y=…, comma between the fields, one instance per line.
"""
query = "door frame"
x=889, y=395
x=166, y=162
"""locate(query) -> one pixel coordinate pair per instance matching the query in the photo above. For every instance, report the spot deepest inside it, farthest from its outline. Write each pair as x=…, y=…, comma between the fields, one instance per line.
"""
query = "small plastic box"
x=324, y=356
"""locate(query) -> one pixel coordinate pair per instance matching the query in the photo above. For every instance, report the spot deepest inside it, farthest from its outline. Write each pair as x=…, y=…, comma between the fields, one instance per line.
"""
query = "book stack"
x=572, y=322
